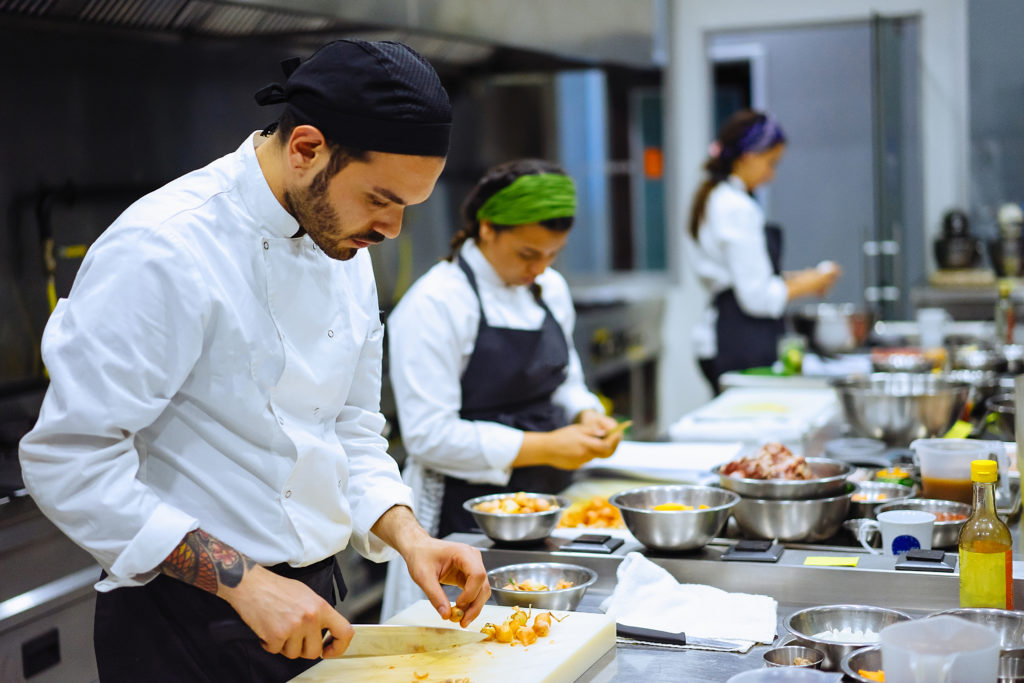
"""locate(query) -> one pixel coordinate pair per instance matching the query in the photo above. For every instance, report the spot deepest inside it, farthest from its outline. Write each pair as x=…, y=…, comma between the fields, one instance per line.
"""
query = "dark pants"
x=161, y=632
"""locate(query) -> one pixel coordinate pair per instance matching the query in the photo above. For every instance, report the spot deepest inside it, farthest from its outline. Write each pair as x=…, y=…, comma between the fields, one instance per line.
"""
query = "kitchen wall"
x=996, y=109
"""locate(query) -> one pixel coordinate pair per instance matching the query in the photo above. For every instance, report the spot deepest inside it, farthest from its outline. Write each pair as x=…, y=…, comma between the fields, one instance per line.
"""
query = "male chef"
x=212, y=433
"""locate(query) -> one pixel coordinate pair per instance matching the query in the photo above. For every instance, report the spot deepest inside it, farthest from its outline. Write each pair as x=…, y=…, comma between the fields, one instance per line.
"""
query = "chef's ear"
x=486, y=231
x=305, y=145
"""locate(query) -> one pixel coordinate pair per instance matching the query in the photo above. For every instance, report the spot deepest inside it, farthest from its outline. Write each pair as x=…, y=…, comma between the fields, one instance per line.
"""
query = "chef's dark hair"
x=340, y=155
x=496, y=178
x=745, y=131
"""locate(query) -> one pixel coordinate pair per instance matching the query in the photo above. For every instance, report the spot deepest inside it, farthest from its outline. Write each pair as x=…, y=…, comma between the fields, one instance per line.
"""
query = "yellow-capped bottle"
x=986, y=547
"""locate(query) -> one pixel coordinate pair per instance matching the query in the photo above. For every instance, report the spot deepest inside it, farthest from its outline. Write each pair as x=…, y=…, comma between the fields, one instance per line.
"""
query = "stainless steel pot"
x=829, y=480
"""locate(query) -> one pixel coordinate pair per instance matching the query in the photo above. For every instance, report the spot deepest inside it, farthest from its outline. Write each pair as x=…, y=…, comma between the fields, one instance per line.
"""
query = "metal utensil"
x=650, y=635
x=372, y=639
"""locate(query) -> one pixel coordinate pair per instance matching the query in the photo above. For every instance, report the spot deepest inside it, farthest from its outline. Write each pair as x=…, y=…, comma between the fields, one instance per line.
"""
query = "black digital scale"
x=603, y=544
x=919, y=560
x=754, y=551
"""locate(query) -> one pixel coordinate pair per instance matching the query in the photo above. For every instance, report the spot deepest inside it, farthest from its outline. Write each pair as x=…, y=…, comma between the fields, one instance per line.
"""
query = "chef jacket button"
x=316, y=411
x=288, y=493
x=330, y=333
x=266, y=244
x=280, y=421
x=339, y=483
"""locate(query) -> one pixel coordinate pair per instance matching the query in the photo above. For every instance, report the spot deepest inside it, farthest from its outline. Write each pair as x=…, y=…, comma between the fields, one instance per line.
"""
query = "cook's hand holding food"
x=287, y=615
x=567, y=448
x=434, y=562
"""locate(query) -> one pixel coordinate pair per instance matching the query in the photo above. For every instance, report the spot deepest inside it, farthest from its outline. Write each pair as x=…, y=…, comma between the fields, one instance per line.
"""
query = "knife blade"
x=650, y=635
x=371, y=640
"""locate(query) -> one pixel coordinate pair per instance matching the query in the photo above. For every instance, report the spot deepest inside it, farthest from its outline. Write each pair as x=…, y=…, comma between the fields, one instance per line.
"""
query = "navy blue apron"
x=509, y=379
x=745, y=341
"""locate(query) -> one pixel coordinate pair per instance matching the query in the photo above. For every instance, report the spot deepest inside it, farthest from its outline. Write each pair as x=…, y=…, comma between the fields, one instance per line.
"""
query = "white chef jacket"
x=431, y=336
x=730, y=252
x=209, y=370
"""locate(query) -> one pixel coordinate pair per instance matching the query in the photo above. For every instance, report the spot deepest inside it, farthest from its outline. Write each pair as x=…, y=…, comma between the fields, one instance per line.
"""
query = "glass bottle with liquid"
x=1004, y=315
x=986, y=547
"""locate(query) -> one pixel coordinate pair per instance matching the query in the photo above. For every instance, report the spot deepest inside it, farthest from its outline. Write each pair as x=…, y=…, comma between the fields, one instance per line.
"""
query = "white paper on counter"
x=647, y=596
x=682, y=462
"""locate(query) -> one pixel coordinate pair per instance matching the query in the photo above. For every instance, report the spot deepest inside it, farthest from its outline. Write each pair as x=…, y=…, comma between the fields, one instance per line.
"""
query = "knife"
x=650, y=635
x=371, y=639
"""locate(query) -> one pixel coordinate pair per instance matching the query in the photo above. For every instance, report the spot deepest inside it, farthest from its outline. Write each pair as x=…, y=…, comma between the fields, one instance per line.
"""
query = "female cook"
x=488, y=386
x=737, y=257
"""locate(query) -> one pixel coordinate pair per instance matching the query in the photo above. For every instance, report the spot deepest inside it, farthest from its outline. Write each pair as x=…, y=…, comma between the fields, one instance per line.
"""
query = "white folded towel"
x=648, y=597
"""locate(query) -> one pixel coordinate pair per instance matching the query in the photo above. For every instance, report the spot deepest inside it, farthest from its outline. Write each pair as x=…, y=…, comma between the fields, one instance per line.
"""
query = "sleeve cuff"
x=366, y=514
x=137, y=565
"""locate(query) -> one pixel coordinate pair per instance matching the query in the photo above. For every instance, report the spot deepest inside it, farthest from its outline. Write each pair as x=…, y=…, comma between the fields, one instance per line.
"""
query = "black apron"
x=509, y=379
x=745, y=341
x=165, y=632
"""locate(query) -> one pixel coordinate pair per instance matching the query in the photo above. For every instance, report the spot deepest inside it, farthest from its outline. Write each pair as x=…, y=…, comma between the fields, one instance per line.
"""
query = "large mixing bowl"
x=808, y=626
x=1009, y=624
x=517, y=527
x=792, y=520
x=675, y=530
x=829, y=479
x=900, y=407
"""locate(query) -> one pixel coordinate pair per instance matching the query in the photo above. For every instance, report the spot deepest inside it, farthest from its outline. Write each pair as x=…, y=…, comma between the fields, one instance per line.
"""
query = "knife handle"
x=229, y=630
x=650, y=635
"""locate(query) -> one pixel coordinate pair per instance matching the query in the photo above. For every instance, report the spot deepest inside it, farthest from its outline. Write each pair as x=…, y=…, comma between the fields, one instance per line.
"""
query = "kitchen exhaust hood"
x=618, y=32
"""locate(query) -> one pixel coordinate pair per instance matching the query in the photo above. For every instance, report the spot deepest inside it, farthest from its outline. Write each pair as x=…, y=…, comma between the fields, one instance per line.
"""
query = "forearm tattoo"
x=206, y=563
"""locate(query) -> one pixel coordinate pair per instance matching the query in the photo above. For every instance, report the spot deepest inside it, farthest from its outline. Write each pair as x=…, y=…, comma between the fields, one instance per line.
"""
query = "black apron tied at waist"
x=746, y=341
x=509, y=379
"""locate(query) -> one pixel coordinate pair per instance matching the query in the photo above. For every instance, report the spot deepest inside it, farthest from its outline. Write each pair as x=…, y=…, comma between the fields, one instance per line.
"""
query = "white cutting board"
x=570, y=648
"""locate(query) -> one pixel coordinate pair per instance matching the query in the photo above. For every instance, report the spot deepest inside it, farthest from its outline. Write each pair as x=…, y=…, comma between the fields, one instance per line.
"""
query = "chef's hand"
x=433, y=562
x=287, y=615
x=597, y=423
x=567, y=448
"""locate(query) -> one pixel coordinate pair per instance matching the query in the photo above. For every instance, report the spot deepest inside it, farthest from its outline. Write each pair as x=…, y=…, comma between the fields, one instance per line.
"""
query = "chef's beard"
x=320, y=220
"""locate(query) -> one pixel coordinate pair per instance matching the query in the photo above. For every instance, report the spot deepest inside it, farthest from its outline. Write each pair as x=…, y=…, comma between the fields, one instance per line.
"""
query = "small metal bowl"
x=674, y=530
x=866, y=658
x=792, y=520
x=1008, y=624
x=547, y=573
x=786, y=655
x=807, y=623
x=517, y=527
x=1011, y=666
x=829, y=479
x=944, y=534
x=870, y=494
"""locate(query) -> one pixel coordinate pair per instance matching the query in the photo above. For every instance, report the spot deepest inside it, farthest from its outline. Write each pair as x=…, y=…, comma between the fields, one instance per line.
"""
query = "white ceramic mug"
x=902, y=530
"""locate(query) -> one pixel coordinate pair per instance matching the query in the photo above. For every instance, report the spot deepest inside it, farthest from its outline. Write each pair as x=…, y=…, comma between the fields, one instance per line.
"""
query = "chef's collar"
x=266, y=210
x=738, y=183
x=481, y=267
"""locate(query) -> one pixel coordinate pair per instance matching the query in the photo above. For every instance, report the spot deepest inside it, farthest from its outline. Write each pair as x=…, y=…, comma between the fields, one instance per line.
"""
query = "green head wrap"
x=531, y=198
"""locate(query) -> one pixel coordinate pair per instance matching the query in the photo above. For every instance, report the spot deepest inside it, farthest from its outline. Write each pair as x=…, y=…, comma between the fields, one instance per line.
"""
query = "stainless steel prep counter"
x=795, y=586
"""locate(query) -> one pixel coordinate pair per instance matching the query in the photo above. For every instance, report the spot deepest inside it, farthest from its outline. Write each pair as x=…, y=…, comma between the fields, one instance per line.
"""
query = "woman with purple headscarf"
x=737, y=257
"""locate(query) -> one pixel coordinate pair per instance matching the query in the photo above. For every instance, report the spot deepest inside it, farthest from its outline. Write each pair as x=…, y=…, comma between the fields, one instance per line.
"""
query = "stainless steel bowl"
x=792, y=520
x=517, y=527
x=546, y=573
x=1011, y=666
x=870, y=494
x=944, y=534
x=867, y=658
x=807, y=623
x=829, y=479
x=674, y=530
x=900, y=407
x=1008, y=624
x=786, y=655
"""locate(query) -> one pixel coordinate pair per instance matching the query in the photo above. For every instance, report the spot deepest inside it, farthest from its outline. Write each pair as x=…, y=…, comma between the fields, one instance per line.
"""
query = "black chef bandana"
x=374, y=96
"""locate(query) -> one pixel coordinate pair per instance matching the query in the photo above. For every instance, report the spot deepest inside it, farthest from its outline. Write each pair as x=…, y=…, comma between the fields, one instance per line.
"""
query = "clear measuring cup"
x=946, y=467
x=942, y=649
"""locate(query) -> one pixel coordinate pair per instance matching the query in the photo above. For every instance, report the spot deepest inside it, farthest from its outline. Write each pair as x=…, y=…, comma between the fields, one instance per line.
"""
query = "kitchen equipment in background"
x=998, y=419
x=864, y=621
x=900, y=407
x=957, y=248
x=541, y=573
x=942, y=649
x=946, y=467
x=1007, y=251
x=931, y=324
x=949, y=517
x=833, y=328
x=675, y=528
x=828, y=478
x=1008, y=624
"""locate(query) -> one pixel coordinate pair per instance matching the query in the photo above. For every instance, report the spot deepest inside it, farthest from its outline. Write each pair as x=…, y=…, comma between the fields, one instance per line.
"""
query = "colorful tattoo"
x=206, y=563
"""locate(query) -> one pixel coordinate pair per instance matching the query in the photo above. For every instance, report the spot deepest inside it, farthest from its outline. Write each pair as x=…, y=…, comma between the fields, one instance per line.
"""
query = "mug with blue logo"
x=902, y=530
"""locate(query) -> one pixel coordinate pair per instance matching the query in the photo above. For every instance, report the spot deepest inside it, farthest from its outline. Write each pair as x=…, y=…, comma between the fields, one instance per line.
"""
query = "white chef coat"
x=730, y=252
x=431, y=336
x=209, y=370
